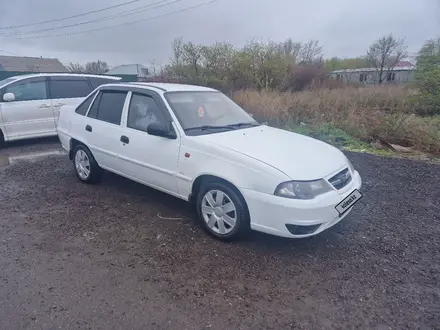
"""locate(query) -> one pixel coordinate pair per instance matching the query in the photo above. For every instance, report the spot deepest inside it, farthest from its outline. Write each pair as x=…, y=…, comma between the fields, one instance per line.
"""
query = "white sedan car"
x=198, y=145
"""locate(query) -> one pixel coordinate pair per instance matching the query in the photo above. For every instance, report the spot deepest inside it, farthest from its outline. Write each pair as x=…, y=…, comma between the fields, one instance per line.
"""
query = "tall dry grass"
x=368, y=113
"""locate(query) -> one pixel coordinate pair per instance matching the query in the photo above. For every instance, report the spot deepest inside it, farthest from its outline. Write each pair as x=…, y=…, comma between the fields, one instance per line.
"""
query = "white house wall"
x=401, y=77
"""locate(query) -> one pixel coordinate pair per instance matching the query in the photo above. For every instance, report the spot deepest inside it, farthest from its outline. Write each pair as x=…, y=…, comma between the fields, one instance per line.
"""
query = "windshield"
x=208, y=111
x=7, y=80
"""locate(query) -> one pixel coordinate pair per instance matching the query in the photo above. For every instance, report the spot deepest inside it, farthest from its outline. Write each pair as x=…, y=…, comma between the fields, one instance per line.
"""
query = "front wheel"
x=222, y=211
x=86, y=167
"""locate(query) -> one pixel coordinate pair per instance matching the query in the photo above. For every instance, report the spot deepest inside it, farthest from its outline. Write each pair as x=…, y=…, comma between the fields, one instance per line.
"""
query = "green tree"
x=428, y=78
x=258, y=65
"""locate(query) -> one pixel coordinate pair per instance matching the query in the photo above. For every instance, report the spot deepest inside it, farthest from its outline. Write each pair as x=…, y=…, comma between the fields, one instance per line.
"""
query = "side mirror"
x=9, y=97
x=160, y=129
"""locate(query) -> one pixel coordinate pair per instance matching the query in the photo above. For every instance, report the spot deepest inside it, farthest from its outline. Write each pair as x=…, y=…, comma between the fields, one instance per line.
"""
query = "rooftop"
x=30, y=64
x=401, y=66
x=374, y=69
x=34, y=75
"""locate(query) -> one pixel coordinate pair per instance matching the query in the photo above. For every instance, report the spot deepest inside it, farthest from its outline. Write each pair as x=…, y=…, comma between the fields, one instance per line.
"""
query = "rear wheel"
x=86, y=167
x=222, y=211
x=2, y=140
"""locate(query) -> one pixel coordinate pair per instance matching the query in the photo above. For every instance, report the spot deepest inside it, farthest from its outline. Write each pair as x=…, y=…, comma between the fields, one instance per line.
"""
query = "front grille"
x=341, y=179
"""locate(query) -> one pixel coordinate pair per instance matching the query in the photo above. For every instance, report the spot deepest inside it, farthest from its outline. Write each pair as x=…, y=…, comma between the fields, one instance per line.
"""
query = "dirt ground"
x=122, y=256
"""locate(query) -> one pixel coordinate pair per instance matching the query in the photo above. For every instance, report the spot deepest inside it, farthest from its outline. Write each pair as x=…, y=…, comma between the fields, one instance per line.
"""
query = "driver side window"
x=28, y=90
x=143, y=111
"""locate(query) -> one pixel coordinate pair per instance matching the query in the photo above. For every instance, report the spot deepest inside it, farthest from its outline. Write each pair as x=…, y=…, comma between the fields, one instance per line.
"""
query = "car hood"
x=298, y=156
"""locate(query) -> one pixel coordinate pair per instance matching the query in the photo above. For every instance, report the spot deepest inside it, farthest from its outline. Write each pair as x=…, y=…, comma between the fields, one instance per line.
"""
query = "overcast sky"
x=344, y=27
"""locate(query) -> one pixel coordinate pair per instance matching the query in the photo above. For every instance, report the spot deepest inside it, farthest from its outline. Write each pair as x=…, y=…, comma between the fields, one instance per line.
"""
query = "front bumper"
x=273, y=215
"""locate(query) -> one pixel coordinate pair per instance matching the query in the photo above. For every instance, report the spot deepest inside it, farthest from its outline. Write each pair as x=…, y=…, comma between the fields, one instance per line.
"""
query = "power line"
x=119, y=25
x=69, y=17
x=119, y=15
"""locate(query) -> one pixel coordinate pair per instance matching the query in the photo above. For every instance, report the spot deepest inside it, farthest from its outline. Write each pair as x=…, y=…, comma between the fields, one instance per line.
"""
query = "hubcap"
x=82, y=164
x=219, y=212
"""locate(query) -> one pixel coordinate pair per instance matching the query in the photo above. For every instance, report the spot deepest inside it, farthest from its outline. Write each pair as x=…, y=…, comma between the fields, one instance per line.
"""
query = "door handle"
x=58, y=105
x=125, y=139
x=44, y=106
x=88, y=128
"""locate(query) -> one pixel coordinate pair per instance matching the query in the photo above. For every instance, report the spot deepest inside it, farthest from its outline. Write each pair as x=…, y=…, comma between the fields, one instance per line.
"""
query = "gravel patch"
x=119, y=255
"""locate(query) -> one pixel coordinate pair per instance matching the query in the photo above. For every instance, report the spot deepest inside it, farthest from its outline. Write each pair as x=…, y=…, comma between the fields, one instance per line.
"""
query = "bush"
x=427, y=100
x=368, y=113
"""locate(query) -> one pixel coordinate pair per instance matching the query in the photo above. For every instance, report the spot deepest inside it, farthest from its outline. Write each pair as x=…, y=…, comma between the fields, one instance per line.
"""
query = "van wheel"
x=222, y=211
x=2, y=140
x=86, y=167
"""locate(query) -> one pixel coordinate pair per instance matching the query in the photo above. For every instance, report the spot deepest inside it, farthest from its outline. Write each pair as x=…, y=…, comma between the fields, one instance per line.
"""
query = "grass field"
x=358, y=118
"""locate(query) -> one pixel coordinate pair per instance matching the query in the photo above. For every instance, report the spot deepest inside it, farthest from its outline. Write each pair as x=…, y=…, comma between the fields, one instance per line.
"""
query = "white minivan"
x=29, y=104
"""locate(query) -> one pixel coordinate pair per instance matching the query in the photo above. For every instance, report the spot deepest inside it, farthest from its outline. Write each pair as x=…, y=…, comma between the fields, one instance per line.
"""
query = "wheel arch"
x=203, y=178
x=72, y=145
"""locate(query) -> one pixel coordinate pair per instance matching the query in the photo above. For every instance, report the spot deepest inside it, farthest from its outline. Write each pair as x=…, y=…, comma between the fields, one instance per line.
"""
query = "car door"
x=64, y=90
x=30, y=114
x=101, y=129
x=149, y=159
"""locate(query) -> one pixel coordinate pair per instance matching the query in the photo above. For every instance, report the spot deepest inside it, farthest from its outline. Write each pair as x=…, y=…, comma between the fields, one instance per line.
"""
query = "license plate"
x=348, y=202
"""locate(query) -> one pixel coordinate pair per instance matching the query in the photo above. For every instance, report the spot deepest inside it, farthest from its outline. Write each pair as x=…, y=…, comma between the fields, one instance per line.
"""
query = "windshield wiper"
x=209, y=127
x=244, y=125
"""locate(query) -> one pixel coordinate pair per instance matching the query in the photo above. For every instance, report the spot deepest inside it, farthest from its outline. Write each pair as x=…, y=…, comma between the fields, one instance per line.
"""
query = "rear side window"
x=94, y=108
x=96, y=82
x=63, y=89
x=83, y=107
x=28, y=90
x=108, y=106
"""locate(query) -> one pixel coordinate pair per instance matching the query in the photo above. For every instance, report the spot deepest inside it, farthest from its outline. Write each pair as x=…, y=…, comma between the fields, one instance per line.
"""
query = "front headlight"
x=302, y=189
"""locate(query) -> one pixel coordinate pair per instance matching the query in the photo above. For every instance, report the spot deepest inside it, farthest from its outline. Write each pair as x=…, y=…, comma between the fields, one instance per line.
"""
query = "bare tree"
x=98, y=67
x=385, y=53
x=177, y=48
x=310, y=53
x=75, y=68
x=177, y=59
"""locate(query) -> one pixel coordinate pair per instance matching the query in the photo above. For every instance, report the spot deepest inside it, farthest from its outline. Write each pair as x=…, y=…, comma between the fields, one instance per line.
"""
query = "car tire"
x=86, y=168
x=222, y=211
x=2, y=140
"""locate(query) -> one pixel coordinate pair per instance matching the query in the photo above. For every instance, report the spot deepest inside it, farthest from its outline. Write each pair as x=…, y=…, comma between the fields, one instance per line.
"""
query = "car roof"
x=164, y=87
x=35, y=75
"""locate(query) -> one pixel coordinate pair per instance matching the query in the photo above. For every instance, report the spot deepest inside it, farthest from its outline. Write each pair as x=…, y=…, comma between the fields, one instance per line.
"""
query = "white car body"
x=35, y=113
x=255, y=160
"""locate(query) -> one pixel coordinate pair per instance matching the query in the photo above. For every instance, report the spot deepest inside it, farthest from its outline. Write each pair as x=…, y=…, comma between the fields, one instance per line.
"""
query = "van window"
x=96, y=82
x=28, y=90
x=64, y=89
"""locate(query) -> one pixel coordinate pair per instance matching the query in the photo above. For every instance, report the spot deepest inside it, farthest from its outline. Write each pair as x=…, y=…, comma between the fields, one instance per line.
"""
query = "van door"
x=30, y=114
x=64, y=90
